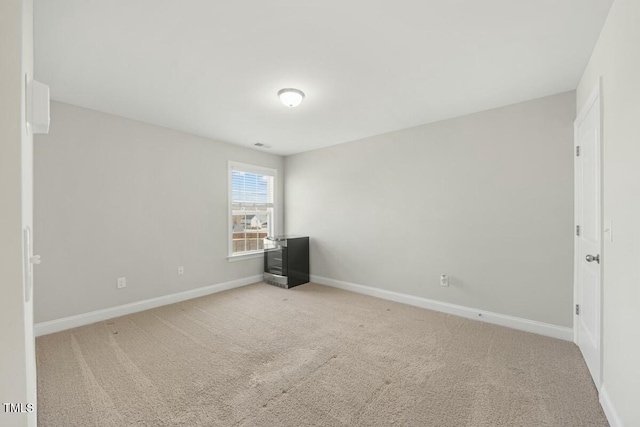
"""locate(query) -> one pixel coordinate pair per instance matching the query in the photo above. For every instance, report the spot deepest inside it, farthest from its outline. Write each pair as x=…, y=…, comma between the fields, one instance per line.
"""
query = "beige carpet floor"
x=309, y=356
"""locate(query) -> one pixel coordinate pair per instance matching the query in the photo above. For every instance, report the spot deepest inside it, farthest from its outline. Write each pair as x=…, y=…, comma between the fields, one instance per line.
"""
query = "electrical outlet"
x=444, y=280
x=180, y=271
x=122, y=282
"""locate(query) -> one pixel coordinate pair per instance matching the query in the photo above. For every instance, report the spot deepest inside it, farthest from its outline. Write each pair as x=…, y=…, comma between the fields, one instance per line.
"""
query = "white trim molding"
x=246, y=256
x=608, y=408
x=554, y=331
x=45, y=328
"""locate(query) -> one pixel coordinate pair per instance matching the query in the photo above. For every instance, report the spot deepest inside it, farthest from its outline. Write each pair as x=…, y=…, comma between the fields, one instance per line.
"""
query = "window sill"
x=242, y=257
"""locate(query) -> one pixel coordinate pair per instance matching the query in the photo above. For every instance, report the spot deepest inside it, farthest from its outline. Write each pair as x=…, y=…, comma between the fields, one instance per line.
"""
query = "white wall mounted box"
x=37, y=106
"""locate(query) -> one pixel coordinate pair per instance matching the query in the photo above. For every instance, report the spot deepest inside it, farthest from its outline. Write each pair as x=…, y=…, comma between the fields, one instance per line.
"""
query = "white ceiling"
x=213, y=68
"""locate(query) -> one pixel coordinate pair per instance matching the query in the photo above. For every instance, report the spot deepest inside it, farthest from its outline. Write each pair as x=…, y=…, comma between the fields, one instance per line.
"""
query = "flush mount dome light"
x=291, y=97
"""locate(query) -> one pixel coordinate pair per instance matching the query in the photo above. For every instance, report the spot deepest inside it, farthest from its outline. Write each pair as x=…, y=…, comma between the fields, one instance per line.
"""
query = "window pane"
x=251, y=188
x=252, y=207
x=250, y=227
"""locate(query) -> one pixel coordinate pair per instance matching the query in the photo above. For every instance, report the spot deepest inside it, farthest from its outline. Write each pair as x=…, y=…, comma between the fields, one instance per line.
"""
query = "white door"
x=588, y=248
x=28, y=262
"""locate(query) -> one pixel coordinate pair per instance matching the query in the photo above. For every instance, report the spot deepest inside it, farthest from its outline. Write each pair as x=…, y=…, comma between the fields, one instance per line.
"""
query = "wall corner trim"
x=608, y=408
x=49, y=327
x=521, y=324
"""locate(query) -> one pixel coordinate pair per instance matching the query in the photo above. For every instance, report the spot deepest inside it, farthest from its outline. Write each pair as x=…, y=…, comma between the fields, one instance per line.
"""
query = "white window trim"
x=245, y=167
x=245, y=256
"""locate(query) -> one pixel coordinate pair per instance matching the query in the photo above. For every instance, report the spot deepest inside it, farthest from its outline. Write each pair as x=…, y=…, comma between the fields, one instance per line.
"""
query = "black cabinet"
x=286, y=261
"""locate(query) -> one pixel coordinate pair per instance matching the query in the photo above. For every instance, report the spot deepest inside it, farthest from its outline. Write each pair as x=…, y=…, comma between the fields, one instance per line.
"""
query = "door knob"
x=591, y=258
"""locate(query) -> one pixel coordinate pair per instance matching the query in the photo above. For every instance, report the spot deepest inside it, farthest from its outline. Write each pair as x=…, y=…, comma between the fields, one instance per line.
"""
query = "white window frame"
x=262, y=170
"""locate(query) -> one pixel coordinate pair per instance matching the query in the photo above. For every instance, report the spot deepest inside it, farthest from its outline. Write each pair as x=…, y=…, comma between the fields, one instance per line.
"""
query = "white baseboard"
x=58, y=325
x=533, y=326
x=608, y=408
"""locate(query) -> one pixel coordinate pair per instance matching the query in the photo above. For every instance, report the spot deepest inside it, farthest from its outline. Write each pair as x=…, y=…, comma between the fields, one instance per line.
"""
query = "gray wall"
x=116, y=197
x=617, y=59
x=485, y=198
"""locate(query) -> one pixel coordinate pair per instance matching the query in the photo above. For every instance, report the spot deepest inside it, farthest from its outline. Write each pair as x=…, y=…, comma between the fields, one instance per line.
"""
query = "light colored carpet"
x=309, y=356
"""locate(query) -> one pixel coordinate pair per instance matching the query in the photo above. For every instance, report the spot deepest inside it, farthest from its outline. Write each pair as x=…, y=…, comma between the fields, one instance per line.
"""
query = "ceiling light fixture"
x=291, y=97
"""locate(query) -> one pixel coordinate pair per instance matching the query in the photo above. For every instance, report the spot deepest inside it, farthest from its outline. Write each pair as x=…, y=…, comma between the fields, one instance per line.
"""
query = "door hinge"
x=577, y=230
x=578, y=309
x=577, y=150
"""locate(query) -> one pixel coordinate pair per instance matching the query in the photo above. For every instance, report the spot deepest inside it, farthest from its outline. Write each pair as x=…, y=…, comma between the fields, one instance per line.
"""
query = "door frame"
x=594, y=97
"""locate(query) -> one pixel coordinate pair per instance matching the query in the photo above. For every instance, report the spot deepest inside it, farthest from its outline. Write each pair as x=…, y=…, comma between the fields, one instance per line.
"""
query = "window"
x=252, y=207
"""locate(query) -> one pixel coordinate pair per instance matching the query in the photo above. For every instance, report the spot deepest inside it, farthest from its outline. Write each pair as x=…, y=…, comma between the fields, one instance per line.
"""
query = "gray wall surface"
x=116, y=197
x=486, y=198
x=616, y=58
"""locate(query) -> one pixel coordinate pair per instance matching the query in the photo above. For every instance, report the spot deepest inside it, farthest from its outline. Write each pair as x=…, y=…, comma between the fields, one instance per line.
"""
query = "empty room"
x=296, y=213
